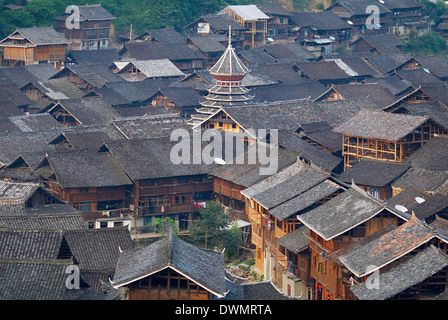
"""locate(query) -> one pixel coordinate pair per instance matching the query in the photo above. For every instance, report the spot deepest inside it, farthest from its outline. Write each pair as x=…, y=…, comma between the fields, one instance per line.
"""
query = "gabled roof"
x=375, y=173
x=23, y=75
x=54, y=221
x=76, y=169
x=104, y=254
x=96, y=74
x=47, y=283
x=39, y=36
x=405, y=275
x=204, y=267
x=156, y=50
x=381, y=125
x=58, y=89
x=342, y=213
x=219, y=22
x=93, y=12
x=154, y=68
x=273, y=9
x=167, y=35
x=247, y=12
x=284, y=185
x=103, y=56
x=323, y=20
x=388, y=247
x=30, y=244
x=358, y=7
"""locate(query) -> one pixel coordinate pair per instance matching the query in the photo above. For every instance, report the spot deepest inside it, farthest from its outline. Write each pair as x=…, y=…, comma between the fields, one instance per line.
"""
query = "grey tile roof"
x=43, y=35
x=434, y=109
x=431, y=156
x=405, y=275
x=98, y=249
x=93, y=12
x=30, y=244
x=373, y=173
x=103, y=56
x=219, y=22
x=27, y=279
x=202, y=266
x=381, y=125
x=295, y=241
x=341, y=213
x=150, y=127
x=67, y=221
x=157, y=50
x=324, y=20
x=304, y=200
x=422, y=179
x=150, y=158
x=388, y=247
x=58, y=89
x=86, y=169
x=285, y=185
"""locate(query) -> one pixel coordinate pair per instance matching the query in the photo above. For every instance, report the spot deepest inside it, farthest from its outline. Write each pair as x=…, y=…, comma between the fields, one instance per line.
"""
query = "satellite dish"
x=426, y=70
x=349, y=22
x=219, y=161
x=401, y=208
x=381, y=1
x=419, y=200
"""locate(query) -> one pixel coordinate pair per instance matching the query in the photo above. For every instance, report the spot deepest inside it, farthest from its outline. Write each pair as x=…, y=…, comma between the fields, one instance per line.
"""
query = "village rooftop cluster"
x=356, y=208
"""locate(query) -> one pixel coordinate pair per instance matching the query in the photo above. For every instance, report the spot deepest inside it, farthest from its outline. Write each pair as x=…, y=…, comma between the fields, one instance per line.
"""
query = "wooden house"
x=375, y=92
x=180, y=54
x=253, y=19
x=278, y=22
x=407, y=16
x=353, y=12
x=378, y=44
x=218, y=25
x=369, y=134
x=442, y=25
x=52, y=90
x=91, y=182
x=210, y=46
x=164, y=189
x=94, y=29
x=412, y=245
x=138, y=70
x=162, y=271
x=88, y=77
x=362, y=215
x=167, y=35
x=27, y=46
x=272, y=208
x=182, y=101
x=325, y=30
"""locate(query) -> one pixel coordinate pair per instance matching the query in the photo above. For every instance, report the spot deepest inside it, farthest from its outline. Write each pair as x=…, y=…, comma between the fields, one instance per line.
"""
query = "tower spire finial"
x=230, y=35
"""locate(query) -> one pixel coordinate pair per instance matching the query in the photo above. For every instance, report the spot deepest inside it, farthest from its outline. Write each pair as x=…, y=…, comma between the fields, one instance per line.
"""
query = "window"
x=103, y=224
x=270, y=32
x=118, y=224
x=321, y=267
x=375, y=192
x=81, y=190
x=281, y=21
x=146, y=221
x=103, y=31
x=83, y=207
x=92, y=32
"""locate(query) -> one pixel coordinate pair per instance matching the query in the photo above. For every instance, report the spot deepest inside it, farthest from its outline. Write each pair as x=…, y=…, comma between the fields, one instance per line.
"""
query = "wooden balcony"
x=173, y=189
x=97, y=196
x=168, y=209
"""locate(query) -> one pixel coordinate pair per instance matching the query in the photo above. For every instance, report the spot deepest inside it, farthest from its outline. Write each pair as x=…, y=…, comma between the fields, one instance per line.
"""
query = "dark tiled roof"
x=341, y=213
x=27, y=279
x=433, y=155
x=295, y=241
x=98, y=249
x=324, y=20
x=10, y=94
x=30, y=244
x=167, y=35
x=220, y=22
x=381, y=125
x=419, y=77
x=66, y=221
x=103, y=56
x=86, y=169
x=16, y=143
x=93, y=12
x=150, y=158
x=154, y=50
x=422, y=179
x=358, y=7
x=273, y=9
x=388, y=247
x=43, y=35
x=202, y=266
x=405, y=275
x=373, y=173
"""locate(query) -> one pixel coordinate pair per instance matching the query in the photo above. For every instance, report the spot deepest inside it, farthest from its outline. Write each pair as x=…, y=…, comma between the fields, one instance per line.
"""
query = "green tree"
x=163, y=225
x=427, y=43
x=211, y=230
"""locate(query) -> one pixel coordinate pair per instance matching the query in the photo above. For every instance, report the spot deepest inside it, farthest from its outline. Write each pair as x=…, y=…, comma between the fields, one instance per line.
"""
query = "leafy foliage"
x=427, y=43
x=210, y=231
x=142, y=14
